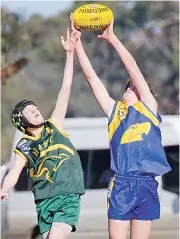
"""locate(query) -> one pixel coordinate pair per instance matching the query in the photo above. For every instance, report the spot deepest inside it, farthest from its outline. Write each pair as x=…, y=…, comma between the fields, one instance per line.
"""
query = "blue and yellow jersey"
x=135, y=141
x=52, y=162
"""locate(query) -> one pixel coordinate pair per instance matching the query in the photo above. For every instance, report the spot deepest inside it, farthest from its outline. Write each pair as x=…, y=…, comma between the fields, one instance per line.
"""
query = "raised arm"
x=59, y=112
x=98, y=89
x=131, y=67
x=12, y=177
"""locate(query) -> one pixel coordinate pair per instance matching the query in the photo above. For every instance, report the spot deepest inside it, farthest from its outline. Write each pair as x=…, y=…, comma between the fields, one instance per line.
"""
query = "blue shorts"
x=133, y=197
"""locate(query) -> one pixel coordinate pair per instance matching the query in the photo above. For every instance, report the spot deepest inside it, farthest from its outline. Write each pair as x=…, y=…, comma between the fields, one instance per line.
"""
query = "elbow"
x=90, y=76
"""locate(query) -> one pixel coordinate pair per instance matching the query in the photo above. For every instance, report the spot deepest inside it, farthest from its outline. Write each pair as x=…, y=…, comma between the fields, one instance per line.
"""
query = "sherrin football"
x=92, y=17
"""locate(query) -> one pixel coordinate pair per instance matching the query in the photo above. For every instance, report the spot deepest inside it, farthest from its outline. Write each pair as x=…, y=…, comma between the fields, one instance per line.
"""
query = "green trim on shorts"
x=62, y=208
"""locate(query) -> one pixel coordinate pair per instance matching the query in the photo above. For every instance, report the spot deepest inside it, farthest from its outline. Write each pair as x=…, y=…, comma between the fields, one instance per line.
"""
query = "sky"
x=44, y=8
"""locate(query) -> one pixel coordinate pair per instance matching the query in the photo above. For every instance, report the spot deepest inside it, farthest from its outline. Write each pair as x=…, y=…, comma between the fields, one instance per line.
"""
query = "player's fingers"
x=62, y=40
x=71, y=18
x=73, y=39
x=73, y=34
x=112, y=22
x=71, y=22
x=67, y=33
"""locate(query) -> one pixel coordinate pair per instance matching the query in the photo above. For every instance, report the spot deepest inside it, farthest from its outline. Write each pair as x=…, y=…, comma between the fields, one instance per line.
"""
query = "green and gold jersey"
x=53, y=163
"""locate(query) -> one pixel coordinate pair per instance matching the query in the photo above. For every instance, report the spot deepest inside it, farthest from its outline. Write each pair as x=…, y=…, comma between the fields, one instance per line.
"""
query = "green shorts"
x=62, y=208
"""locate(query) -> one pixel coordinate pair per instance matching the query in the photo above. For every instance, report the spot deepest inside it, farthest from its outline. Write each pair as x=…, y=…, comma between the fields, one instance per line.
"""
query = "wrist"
x=78, y=43
x=69, y=53
x=3, y=191
x=112, y=38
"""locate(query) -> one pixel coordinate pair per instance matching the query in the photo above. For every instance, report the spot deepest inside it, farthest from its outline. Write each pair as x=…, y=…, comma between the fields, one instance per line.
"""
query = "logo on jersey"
x=42, y=169
x=21, y=143
x=23, y=146
x=121, y=112
x=47, y=170
x=135, y=133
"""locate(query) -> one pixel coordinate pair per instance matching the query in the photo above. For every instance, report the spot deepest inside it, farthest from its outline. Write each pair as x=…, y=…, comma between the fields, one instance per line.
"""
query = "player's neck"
x=130, y=103
x=35, y=131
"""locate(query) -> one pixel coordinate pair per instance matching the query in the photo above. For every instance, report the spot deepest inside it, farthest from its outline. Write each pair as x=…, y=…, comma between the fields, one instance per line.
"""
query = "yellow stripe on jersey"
x=58, y=127
x=22, y=155
x=110, y=190
x=139, y=106
x=119, y=114
x=57, y=146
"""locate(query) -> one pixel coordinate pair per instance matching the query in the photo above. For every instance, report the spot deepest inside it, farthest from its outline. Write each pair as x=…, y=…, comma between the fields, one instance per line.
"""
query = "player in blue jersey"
x=137, y=154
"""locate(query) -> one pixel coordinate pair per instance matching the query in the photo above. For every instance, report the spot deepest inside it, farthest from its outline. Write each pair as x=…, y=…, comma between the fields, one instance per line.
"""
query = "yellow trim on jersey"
x=57, y=146
x=116, y=121
x=110, y=190
x=22, y=155
x=58, y=128
x=34, y=138
x=139, y=106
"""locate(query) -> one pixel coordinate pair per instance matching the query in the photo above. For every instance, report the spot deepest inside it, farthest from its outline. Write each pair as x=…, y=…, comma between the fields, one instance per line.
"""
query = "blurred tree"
x=34, y=30
x=11, y=69
x=13, y=35
x=13, y=40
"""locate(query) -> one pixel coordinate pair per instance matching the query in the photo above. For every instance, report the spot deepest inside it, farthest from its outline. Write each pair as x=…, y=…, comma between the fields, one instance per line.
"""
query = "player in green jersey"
x=52, y=162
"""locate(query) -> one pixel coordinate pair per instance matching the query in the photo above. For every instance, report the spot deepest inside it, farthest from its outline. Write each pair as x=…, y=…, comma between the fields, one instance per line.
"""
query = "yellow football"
x=92, y=17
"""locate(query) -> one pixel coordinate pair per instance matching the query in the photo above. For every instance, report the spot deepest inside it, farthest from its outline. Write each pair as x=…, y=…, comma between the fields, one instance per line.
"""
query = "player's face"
x=131, y=96
x=33, y=115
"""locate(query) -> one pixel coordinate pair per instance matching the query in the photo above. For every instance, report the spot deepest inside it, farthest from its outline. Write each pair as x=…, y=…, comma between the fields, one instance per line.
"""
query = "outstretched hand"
x=73, y=29
x=70, y=42
x=108, y=32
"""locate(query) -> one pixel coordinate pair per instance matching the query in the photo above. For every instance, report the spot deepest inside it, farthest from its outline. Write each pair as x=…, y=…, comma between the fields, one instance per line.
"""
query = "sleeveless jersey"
x=135, y=141
x=53, y=163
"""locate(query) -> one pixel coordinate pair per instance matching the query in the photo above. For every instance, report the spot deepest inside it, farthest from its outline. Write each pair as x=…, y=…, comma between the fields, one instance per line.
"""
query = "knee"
x=59, y=231
x=57, y=235
x=117, y=236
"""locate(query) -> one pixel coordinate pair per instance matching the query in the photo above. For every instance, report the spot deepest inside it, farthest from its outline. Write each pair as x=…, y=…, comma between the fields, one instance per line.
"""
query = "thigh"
x=117, y=229
x=140, y=229
x=59, y=230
